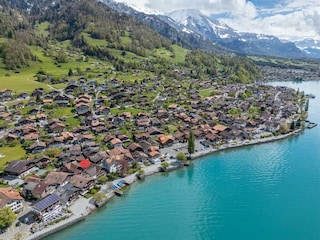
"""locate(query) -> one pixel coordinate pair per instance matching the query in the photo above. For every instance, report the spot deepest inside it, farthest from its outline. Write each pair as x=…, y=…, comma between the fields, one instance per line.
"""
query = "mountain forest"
x=69, y=36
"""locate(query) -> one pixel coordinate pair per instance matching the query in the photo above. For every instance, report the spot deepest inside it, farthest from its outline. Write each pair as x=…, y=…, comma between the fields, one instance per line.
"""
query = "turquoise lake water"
x=268, y=191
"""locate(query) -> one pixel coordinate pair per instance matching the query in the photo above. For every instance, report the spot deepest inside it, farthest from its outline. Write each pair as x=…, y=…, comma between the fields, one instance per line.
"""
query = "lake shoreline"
x=84, y=207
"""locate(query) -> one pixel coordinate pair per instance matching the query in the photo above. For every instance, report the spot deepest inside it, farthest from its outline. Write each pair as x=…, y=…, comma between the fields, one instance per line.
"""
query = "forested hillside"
x=70, y=35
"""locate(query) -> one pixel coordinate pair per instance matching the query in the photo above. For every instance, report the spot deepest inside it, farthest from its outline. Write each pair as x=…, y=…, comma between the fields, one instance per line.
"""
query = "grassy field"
x=133, y=111
x=72, y=122
x=11, y=153
x=61, y=112
x=205, y=93
x=42, y=29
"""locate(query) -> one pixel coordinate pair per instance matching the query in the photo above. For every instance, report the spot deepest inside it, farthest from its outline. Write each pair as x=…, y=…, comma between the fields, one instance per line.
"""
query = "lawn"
x=72, y=122
x=134, y=111
x=61, y=112
x=11, y=153
x=206, y=93
x=42, y=29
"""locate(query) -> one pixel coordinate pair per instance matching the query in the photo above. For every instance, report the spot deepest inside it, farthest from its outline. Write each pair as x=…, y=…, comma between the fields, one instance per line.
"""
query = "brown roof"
x=154, y=153
x=56, y=178
x=164, y=139
x=80, y=181
x=115, y=141
x=220, y=128
x=31, y=136
x=8, y=194
x=134, y=146
x=39, y=188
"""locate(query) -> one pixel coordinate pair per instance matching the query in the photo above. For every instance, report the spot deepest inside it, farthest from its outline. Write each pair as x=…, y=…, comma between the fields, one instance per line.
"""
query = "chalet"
x=80, y=129
x=87, y=152
x=97, y=124
x=81, y=100
x=37, y=147
x=62, y=100
x=99, y=157
x=10, y=197
x=10, y=137
x=84, y=138
x=124, y=138
x=5, y=116
x=38, y=92
x=41, y=161
x=34, y=111
x=56, y=126
x=140, y=156
x=153, y=131
x=67, y=193
x=166, y=141
x=40, y=117
x=115, y=164
x=220, y=128
x=25, y=121
x=122, y=154
x=17, y=105
x=55, y=142
x=73, y=168
x=20, y=168
x=67, y=136
x=118, y=121
x=142, y=137
x=154, y=155
x=71, y=87
x=82, y=109
x=115, y=143
x=212, y=137
x=103, y=110
x=82, y=182
x=179, y=137
x=143, y=124
x=135, y=147
x=93, y=171
x=162, y=114
x=42, y=189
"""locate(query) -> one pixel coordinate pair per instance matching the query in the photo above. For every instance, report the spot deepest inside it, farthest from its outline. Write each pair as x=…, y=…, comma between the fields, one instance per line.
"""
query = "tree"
x=307, y=106
x=98, y=197
x=165, y=165
x=191, y=144
x=7, y=217
x=181, y=156
x=70, y=73
x=103, y=179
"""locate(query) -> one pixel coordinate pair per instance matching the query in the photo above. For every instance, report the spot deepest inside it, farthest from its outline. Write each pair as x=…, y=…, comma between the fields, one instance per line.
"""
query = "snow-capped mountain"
x=193, y=29
x=248, y=43
x=193, y=20
x=310, y=46
x=145, y=10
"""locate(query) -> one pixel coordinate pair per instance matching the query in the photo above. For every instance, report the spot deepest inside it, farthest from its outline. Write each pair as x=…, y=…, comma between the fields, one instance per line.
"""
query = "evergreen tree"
x=191, y=144
x=70, y=73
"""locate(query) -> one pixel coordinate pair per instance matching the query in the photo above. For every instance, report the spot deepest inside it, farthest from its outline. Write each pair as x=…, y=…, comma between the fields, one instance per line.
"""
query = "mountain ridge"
x=217, y=34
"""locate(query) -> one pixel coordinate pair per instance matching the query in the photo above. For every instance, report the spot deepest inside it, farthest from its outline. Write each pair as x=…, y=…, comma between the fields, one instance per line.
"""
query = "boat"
x=118, y=192
x=311, y=125
x=310, y=95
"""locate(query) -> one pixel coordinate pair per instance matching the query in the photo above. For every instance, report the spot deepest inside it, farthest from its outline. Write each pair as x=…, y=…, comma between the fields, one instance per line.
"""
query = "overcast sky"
x=286, y=19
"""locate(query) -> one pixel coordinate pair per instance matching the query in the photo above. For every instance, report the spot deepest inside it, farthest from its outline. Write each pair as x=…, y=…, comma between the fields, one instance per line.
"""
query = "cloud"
x=288, y=19
x=287, y=23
